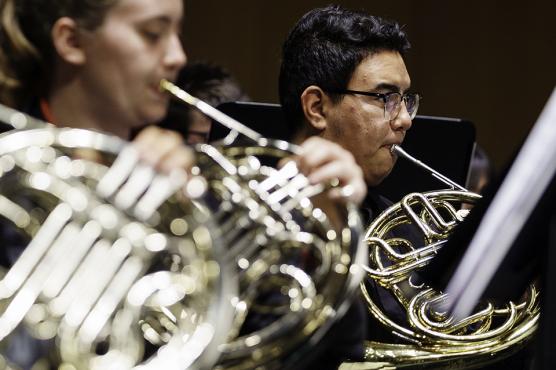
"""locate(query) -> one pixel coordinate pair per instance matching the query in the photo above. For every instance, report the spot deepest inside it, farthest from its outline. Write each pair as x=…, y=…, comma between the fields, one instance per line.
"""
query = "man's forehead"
x=382, y=70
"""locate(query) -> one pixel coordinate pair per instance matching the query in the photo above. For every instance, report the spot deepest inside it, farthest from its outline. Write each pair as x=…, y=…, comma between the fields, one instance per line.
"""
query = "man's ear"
x=312, y=104
x=65, y=37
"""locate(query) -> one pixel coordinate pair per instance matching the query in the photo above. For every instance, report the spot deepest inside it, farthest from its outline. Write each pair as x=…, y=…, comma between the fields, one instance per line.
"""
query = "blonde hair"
x=26, y=49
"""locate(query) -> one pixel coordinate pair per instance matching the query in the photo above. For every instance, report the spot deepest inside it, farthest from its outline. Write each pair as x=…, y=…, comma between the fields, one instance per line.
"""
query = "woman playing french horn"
x=98, y=65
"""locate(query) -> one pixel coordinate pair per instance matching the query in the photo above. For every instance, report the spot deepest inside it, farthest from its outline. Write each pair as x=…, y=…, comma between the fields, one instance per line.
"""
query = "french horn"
x=119, y=270
x=402, y=240
x=297, y=253
x=243, y=266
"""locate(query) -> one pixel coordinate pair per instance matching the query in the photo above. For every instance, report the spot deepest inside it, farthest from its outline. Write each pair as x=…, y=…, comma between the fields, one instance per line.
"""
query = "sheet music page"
x=518, y=195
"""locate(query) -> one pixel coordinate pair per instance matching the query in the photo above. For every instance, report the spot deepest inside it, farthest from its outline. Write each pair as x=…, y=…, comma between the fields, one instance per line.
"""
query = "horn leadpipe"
x=402, y=153
x=214, y=113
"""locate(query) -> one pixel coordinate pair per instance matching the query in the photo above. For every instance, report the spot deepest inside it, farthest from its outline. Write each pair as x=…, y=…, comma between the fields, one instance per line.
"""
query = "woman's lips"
x=159, y=94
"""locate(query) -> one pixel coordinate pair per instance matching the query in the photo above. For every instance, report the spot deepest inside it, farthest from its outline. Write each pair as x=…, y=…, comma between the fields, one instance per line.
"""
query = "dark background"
x=491, y=62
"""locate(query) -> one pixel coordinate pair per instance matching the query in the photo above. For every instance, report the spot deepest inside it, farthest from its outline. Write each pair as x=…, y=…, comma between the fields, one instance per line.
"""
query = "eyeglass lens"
x=393, y=105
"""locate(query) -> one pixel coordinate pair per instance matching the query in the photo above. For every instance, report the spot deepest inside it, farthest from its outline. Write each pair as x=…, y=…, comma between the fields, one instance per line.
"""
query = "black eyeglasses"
x=392, y=102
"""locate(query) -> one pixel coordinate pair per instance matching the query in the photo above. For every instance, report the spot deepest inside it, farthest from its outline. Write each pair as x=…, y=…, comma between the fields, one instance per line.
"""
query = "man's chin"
x=376, y=178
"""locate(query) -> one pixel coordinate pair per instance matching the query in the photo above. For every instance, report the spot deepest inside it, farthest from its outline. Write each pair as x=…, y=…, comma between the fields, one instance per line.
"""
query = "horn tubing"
x=217, y=115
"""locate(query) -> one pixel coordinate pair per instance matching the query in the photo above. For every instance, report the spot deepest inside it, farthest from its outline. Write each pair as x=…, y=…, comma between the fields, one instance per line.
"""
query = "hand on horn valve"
x=322, y=160
x=164, y=150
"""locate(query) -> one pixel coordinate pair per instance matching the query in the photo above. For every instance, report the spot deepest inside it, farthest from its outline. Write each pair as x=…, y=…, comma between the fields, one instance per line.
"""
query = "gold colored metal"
x=104, y=275
x=426, y=337
x=118, y=259
x=295, y=251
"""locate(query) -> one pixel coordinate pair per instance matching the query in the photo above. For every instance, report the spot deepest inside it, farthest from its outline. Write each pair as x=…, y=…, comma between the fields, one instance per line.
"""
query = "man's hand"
x=322, y=160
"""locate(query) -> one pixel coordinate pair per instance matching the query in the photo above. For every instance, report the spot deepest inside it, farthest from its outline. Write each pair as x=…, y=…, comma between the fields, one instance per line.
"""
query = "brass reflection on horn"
x=421, y=334
x=296, y=252
x=112, y=274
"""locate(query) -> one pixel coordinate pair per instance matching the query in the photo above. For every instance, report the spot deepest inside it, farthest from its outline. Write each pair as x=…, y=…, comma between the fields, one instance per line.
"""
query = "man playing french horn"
x=343, y=78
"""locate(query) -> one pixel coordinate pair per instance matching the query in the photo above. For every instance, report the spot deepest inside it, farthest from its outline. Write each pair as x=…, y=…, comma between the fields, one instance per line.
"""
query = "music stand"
x=265, y=118
x=515, y=201
x=444, y=144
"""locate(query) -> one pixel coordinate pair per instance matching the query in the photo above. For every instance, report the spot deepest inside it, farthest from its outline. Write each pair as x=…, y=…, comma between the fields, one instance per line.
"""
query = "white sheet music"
x=525, y=183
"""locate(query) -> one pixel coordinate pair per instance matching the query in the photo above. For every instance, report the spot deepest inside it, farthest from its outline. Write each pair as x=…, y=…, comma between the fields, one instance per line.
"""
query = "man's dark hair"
x=324, y=49
x=207, y=81
x=210, y=82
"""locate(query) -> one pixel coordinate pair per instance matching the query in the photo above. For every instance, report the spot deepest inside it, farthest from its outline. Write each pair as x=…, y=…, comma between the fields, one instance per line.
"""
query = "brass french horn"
x=249, y=269
x=421, y=334
x=297, y=253
x=119, y=271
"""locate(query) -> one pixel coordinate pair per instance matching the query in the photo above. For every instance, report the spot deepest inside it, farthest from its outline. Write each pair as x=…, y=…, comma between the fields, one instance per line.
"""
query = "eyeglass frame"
x=384, y=97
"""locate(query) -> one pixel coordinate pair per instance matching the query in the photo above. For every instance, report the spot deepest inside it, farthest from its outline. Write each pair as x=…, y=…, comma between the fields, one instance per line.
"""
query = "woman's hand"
x=164, y=150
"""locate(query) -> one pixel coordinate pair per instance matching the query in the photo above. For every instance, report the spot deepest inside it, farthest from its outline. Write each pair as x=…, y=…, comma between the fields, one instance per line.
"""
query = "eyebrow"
x=389, y=87
x=164, y=20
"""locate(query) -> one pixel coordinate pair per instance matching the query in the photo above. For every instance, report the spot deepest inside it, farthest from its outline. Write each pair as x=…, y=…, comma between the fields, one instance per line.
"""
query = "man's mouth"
x=390, y=147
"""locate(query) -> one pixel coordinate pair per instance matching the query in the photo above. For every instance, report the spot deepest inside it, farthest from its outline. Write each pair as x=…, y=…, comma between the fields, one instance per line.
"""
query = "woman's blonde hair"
x=26, y=48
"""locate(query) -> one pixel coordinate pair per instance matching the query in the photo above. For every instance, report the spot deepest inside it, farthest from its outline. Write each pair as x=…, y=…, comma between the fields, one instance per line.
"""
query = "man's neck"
x=303, y=134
